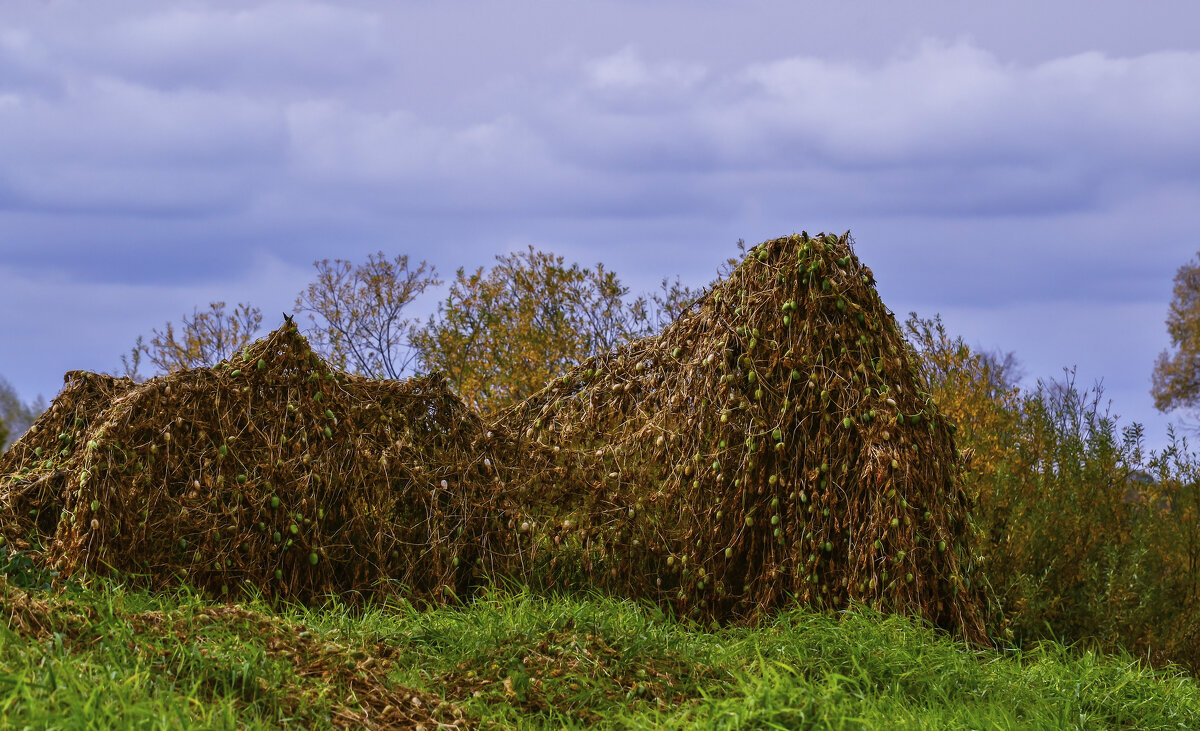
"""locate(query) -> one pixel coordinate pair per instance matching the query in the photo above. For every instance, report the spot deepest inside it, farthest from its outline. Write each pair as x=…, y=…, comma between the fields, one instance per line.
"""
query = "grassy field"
x=111, y=657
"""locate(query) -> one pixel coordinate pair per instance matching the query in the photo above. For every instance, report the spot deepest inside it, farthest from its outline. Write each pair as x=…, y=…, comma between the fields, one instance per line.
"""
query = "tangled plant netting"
x=772, y=444
x=269, y=469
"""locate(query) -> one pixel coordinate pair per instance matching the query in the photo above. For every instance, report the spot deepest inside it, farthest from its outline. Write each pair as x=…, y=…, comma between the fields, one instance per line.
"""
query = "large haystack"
x=271, y=469
x=771, y=444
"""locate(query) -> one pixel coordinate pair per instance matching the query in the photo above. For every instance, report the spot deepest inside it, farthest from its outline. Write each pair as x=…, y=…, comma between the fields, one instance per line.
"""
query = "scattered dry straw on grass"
x=352, y=684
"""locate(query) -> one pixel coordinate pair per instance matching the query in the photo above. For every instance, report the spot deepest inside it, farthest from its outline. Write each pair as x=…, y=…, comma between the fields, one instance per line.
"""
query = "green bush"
x=1083, y=535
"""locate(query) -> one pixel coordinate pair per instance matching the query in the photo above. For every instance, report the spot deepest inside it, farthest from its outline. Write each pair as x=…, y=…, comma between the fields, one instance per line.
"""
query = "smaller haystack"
x=32, y=481
x=271, y=469
x=772, y=444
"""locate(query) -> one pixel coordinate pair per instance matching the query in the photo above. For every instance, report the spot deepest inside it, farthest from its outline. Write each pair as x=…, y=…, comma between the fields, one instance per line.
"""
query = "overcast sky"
x=1028, y=169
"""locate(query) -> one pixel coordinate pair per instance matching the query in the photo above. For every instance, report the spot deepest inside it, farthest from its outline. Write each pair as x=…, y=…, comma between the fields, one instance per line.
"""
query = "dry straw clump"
x=269, y=469
x=771, y=445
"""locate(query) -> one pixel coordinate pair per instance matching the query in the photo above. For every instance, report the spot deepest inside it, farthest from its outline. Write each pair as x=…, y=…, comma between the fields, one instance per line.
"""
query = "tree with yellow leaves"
x=502, y=334
x=977, y=392
x=1176, y=378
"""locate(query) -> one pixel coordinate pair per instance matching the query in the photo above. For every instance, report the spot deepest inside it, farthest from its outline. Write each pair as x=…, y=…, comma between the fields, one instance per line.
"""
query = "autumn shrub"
x=1061, y=524
x=1083, y=535
x=1168, y=526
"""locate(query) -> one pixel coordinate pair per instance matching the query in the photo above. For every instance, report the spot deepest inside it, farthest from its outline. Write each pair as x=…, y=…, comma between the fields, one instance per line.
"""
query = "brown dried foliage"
x=193, y=476
x=771, y=445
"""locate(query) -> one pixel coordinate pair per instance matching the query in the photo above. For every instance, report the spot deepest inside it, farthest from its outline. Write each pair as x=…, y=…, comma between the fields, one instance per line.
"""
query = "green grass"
x=111, y=657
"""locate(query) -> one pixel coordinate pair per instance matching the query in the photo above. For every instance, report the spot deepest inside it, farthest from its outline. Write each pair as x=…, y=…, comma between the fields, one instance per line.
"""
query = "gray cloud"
x=945, y=130
x=948, y=106
x=276, y=48
x=110, y=147
x=27, y=68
